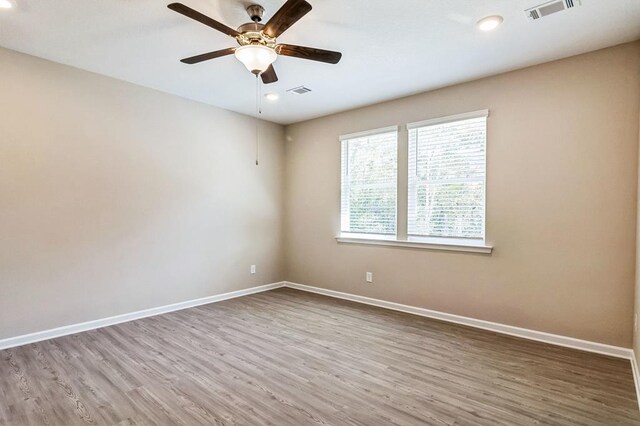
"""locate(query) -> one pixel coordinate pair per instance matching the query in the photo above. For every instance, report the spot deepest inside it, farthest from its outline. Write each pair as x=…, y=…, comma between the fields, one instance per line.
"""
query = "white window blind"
x=447, y=167
x=369, y=182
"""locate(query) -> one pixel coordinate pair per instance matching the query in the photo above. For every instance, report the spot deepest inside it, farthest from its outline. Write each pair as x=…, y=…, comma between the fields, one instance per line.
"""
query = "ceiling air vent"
x=301, y=90
x=551, y=7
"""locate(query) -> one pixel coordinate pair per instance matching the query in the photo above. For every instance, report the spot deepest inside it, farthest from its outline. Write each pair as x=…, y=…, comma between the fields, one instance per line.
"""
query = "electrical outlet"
x=253, y=269
x=369, y=277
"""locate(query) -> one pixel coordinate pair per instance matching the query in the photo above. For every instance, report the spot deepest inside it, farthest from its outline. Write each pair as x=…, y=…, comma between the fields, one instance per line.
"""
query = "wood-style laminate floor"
x=291, y=358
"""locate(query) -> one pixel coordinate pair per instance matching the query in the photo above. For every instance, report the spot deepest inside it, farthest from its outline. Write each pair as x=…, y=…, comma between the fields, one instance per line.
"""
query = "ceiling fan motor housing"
x=251, y=33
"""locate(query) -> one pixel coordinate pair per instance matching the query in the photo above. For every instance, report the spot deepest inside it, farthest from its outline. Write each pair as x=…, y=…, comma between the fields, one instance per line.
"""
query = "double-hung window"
x=369, y=182
x=444, y=163
x=447, y=167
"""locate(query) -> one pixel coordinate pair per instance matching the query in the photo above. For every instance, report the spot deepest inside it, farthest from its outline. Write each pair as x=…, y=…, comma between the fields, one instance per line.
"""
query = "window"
x=443, y=185
x=447, y=166
x=369, y=182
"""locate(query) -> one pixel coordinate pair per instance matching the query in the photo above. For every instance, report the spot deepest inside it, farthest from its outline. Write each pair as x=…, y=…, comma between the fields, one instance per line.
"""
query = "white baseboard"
x=636, y=375
x=554, y=339
x=540, y=336
x=105, y=322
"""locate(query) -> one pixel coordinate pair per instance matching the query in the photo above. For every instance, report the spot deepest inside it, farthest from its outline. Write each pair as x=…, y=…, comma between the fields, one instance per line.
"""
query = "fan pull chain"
x=258, y=113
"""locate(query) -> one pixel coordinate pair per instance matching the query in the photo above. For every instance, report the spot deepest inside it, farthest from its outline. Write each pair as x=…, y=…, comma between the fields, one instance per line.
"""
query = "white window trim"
x=366, y=133
x=444, y=244
x=449, y=119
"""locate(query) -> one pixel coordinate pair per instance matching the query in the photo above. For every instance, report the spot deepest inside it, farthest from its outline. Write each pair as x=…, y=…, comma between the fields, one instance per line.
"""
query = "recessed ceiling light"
x=6, y=4
x=490, y=23
x=272, y=96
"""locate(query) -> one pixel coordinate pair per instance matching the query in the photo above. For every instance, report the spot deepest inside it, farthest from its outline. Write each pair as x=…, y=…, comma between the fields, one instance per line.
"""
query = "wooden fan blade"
x=207, y=56
x=269, y=75
x=286, y=16
x=309, y=53
x=194, y=14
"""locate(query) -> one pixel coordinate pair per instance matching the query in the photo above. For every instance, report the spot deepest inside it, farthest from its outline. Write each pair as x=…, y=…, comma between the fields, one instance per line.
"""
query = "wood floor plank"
x=286, y=357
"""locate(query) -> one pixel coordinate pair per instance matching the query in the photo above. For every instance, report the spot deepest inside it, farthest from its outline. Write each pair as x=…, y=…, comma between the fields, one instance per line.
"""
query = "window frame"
x=401, y=238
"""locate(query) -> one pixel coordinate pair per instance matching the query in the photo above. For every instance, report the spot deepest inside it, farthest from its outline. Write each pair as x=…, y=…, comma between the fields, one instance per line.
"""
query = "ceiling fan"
x=258, y=46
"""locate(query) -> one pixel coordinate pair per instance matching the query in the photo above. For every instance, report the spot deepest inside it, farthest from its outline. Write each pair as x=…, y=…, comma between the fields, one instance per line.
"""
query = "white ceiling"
x=391, y=48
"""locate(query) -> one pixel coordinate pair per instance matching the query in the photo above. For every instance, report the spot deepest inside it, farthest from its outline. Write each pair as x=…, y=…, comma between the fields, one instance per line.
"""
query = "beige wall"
x=561, y=202
x=636, y=333
x=116, y=198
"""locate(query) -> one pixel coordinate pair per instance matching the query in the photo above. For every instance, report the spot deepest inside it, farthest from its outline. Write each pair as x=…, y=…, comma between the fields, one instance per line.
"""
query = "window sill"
x=416, y=243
